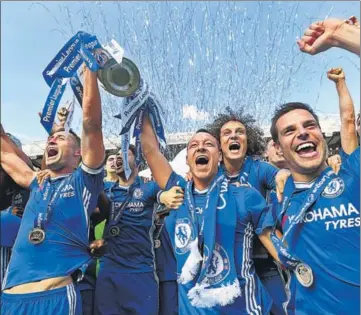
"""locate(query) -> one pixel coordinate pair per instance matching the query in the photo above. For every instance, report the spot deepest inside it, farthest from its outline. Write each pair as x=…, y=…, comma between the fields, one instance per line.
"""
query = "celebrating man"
x=52, y=243
x=212, y=231
x=241, y=140
x=319, y=217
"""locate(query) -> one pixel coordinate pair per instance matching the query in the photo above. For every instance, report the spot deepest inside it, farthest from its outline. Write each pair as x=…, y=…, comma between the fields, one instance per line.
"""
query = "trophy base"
x=120, y=79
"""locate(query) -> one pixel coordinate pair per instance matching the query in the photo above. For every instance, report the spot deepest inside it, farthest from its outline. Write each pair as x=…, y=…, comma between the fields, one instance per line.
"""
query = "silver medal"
x=36, y=236
x=304, y=274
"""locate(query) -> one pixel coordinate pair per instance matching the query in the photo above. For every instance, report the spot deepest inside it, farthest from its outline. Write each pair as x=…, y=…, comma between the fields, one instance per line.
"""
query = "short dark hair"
x=204, y=130
x=286, y=108
x=255, y=142
x=71, y=131
x=76, y=138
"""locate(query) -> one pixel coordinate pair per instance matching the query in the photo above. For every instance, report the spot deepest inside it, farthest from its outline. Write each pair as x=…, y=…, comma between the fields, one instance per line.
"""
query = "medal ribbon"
x=49, y=199
x=115, y=218
x=286, y=258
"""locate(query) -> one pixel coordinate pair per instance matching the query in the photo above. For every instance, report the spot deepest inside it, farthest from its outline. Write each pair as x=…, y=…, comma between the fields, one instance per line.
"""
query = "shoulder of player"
x=175, y=180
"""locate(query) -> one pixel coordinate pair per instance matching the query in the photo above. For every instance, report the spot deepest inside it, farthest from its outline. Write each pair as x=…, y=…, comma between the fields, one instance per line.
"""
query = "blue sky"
x=199, y=57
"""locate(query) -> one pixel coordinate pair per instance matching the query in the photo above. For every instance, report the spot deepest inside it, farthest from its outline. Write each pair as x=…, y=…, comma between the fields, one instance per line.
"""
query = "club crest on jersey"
x=334, y=188
x=183, y=235
x=219, y=267
x=138, y=193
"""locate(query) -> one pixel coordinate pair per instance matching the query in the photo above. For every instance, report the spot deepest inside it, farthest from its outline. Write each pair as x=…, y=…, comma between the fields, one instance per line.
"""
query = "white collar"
x=60, y=176
x=200, y=192
x=303, y=185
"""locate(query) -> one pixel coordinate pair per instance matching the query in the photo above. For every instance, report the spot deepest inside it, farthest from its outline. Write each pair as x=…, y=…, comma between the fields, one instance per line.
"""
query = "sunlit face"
x=203, y=156
x=233, y=140
x=61, y=151
x=274, y=155
x=119, y=163
x=301, y=141
x=110, y=164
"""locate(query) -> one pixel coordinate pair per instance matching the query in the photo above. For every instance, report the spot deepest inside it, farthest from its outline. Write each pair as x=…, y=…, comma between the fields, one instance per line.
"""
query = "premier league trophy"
x=119, y=76
x=120, y=79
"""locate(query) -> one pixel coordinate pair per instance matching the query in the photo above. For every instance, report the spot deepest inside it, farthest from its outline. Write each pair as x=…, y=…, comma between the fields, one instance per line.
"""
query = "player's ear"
x=187, y=160
x=278, y=148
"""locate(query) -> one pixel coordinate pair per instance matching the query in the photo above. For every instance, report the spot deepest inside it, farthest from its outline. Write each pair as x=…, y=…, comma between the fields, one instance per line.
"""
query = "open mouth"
x=234, y=147
x=52, y=152
x=119, y=163
x=202, y=160
x=306, y=149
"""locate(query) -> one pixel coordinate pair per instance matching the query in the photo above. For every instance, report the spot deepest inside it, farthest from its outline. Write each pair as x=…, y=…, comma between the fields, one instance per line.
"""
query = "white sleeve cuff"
x=91, y=171
x=158, y=196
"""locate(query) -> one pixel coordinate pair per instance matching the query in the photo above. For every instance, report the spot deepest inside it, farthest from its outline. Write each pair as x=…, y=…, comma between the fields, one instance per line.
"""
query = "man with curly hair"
x=241, y=141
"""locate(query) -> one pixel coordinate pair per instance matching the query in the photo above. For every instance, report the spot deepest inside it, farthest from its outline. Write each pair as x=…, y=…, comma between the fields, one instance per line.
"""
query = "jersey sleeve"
x=343, y=155
x=91, y=185
x=352, y=163
x=175, y=180
x=156, y=191
x=270, y=217
x=34, y=184
x=256, y=207
x=268, y=173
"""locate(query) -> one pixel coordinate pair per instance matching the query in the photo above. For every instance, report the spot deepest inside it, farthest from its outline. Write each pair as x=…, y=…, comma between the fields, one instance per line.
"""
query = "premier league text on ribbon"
x=63, y=68
x=132, y=115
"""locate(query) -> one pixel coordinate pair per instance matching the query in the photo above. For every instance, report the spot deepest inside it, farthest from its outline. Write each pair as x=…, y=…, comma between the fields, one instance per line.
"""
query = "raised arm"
x=92, y=146
x=347, y=111
x=160, y=167
x=13, y=165
x=322, y=35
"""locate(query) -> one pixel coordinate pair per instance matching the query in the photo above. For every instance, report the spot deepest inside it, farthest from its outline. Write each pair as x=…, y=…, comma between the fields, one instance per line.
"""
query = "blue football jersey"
x=257, y=174
x=251, y=210
x=9, y=227
x=107, y=185
x=66, y=245
x=260, y=176
x=328, y=240
x=164, y=257
x=132, y=250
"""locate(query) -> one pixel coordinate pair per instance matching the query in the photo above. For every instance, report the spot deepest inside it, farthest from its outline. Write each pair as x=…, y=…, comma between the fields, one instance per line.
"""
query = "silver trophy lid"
x=120, y=79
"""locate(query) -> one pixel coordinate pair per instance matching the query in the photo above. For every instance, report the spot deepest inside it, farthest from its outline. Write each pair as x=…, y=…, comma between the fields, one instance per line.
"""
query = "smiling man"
x=319, y=217
x=212, y=231
x=52, y=245
x=241, y=141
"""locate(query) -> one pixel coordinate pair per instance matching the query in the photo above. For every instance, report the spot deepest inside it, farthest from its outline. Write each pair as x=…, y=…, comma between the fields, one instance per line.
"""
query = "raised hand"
x=42, y=176
x=336, y=74
x=319, y=36
x=172, y=198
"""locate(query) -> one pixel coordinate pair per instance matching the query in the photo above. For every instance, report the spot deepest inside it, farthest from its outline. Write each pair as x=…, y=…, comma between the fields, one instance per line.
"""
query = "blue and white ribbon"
x=132, y=114
x=289, y=259
x=63, y=68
